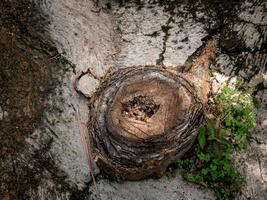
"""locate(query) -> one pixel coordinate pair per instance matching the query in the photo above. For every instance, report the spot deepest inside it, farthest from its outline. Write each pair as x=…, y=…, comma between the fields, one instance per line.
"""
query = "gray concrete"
x=163, y=189
x=127, y=36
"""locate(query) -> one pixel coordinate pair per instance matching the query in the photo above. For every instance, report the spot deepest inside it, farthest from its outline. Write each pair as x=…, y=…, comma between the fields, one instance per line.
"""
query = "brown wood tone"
x=143, y=120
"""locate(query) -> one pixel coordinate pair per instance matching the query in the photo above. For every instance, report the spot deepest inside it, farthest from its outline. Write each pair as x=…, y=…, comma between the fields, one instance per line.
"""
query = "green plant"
x=211, y=163
x=237, y=115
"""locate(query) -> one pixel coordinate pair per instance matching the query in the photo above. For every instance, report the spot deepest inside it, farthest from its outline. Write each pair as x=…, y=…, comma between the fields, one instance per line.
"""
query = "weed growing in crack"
x=211, y=164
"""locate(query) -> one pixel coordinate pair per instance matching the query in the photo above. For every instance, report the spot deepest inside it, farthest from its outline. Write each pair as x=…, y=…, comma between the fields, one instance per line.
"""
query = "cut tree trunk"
x=42, y=156
x=143, y=120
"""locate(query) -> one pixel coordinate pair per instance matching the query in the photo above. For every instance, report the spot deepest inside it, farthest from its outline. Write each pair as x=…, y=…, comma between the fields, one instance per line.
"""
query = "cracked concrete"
x=130, y=34
x=141, y=42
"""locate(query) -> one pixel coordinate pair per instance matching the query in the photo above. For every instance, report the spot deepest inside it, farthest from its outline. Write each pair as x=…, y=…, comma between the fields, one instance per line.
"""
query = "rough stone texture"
x=184, y=39
x=252, y=162
x=140, y=33
x=163, y=189
x=127, y=34
x=28, y=80
x=60, y=125
x=84, y=82
x=246, y=61
x=87, y=38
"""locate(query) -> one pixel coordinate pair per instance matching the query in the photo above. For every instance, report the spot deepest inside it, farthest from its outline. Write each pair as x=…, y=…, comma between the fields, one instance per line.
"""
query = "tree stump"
x=144, y=119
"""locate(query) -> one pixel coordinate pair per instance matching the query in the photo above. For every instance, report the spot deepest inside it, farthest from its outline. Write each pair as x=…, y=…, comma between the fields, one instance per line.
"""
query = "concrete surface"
x=145, y=33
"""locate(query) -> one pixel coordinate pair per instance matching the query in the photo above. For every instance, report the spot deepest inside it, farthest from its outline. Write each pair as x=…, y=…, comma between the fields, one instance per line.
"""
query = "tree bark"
x=143, y=120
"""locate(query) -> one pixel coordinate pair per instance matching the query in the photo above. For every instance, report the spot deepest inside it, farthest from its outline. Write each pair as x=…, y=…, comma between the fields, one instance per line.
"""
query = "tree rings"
x=143, y=120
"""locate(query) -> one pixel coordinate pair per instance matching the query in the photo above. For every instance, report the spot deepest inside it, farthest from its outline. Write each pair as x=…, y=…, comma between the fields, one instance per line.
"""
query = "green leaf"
x=202, y=138
x=204, y=157
x=193, y=177
x=204, y=171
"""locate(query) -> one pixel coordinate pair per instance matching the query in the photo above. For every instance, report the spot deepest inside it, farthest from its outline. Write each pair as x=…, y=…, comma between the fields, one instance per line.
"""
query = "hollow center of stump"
x=147, y=108
x=140, y=108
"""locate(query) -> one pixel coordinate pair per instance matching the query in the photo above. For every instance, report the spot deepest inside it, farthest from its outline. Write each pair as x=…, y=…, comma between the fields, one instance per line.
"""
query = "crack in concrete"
x=165, y=29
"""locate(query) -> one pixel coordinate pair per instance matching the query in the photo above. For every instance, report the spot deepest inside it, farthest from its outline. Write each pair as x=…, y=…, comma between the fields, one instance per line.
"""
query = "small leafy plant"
x=211, y=164
x=237, y=114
